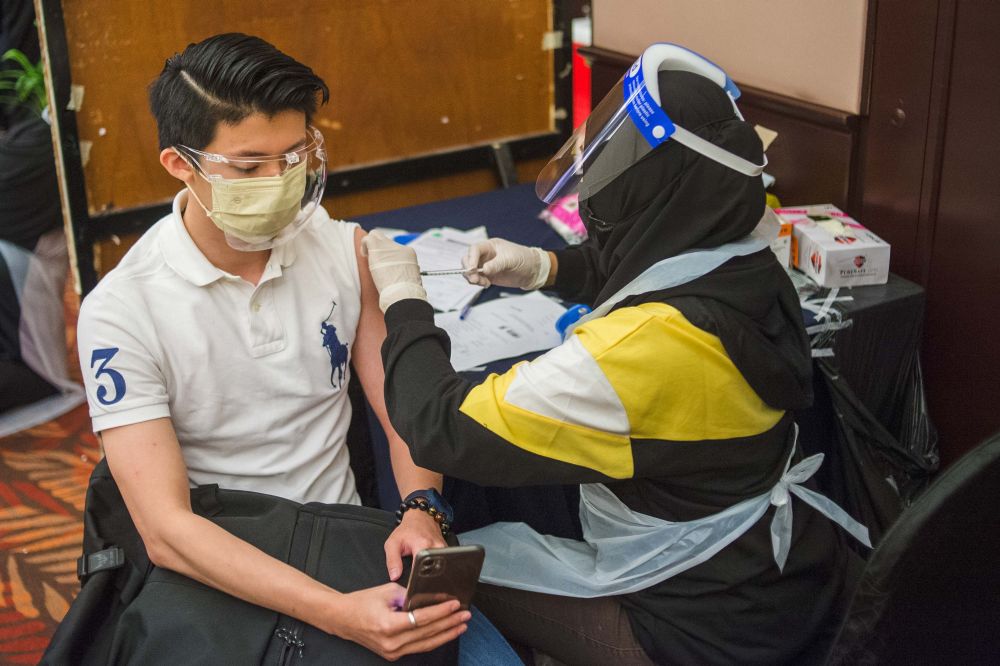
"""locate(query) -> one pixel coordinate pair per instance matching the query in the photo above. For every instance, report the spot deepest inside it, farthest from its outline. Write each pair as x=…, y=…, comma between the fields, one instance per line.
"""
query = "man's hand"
x=416, y=532
x=372, y=618
x=507, y=264
x=394, y=269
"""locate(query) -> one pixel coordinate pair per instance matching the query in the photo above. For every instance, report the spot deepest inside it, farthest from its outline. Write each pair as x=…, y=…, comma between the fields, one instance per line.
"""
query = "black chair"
x=930, y=592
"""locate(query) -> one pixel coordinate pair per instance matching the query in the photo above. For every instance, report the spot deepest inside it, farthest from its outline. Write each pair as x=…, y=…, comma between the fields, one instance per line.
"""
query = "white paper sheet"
x=443, y=249
x=502, y=328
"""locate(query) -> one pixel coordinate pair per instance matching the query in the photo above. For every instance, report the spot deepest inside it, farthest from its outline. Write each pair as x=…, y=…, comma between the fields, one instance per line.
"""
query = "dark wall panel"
x=961, y=352
x=895, y=133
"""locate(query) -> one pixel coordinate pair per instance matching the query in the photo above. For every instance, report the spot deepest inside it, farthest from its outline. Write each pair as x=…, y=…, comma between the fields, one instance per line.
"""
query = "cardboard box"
x=778, y=233
x=833, y=249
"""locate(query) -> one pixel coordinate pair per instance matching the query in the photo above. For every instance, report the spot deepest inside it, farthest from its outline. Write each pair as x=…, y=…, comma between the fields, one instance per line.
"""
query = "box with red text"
x=834, y=249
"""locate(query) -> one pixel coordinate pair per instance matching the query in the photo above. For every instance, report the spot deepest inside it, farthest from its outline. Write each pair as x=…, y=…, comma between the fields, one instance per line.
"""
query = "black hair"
x=225, y=79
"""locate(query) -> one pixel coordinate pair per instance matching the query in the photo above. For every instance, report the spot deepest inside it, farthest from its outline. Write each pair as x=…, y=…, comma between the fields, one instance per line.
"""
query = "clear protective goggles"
x=215, y=165
x=595, y=154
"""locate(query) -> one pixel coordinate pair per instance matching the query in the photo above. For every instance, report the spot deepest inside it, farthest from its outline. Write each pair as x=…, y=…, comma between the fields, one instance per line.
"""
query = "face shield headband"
x=260, y=202
x=598, y=151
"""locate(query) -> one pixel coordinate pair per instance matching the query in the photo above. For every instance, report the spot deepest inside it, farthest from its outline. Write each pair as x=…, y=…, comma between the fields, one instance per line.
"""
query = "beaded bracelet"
x=421, y=504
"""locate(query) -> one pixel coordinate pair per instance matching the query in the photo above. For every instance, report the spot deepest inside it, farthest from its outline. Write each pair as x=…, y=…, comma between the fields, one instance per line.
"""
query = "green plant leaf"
x=28, y=83
x=23, y=87
x=19, y=57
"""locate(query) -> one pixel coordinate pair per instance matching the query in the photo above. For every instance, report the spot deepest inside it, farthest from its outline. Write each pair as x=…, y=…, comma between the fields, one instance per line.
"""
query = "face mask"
x=253, y=210
x=597, y=228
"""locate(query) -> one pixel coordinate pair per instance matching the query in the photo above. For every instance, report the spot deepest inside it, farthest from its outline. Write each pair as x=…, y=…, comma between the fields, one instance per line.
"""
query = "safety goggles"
x=215, y=165
x=592, y=158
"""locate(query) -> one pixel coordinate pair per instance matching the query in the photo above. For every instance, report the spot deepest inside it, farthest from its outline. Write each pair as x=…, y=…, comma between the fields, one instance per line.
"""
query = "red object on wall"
x=581, y=87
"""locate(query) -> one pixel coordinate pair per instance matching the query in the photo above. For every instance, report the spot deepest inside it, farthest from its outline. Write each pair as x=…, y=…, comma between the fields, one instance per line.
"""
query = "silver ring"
x=413, y=620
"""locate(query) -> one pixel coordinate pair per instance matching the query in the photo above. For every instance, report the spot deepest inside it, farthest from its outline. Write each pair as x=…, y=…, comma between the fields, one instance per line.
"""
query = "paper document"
x=502, y=328
x=443, y=249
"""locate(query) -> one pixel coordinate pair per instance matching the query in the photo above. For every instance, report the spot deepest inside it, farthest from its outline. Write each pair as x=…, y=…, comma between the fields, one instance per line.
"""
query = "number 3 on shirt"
x=105, y=355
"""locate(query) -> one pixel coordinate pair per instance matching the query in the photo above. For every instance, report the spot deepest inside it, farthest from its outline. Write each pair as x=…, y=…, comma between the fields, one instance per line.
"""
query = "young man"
x=218, y=351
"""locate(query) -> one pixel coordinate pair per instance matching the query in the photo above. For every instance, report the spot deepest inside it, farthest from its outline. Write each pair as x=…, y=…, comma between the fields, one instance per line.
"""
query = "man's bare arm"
x=417, y=529
x=367, y=360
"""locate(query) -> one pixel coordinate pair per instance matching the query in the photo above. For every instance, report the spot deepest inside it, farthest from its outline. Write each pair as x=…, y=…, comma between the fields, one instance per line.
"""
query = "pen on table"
x=468, y=306
x=453, y=271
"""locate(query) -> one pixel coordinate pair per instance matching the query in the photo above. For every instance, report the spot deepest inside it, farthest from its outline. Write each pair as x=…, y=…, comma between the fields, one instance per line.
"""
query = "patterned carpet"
x=43, y=481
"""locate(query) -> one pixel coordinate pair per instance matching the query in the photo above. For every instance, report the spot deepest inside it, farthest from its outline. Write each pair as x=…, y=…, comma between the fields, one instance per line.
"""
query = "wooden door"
x=931, y=187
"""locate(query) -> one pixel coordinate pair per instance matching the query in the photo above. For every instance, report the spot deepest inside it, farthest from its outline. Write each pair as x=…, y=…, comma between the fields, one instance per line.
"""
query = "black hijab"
x=673, y=200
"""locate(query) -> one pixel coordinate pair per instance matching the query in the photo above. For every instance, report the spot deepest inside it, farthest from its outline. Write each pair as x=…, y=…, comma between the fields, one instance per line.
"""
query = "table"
x=867, y=418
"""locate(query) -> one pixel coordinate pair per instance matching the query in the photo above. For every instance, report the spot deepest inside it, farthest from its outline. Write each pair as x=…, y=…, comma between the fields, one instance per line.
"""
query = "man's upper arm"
x=124, y=381
x=367, y=360
x=129, y=406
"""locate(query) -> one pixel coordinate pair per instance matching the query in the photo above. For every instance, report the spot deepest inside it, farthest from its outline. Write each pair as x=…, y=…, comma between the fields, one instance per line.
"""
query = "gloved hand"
x=394, y=269
x=507, y=264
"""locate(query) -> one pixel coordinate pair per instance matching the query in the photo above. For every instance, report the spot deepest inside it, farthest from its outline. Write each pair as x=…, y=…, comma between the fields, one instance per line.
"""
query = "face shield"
x=262, y=201
x=590, y=159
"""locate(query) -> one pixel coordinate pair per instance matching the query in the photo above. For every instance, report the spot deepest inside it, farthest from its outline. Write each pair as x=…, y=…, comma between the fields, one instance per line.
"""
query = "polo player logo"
x=336, y=349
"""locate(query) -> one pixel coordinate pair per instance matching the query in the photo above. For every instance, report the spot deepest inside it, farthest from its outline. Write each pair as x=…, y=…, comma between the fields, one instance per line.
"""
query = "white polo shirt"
x=253, y=377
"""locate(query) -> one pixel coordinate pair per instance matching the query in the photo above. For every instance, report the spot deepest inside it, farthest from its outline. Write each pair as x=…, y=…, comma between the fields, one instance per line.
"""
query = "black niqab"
x=674, y=200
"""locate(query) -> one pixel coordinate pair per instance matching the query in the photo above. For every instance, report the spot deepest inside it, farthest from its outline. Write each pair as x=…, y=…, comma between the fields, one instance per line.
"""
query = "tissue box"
x=833, y=249
x=778, y=232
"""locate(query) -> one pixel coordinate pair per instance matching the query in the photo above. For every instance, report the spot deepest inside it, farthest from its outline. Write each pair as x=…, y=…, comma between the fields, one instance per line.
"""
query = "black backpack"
x=129, y=611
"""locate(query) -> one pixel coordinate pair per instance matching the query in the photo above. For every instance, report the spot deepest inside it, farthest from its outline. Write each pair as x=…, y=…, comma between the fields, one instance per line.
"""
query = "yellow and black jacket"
x=651, y=405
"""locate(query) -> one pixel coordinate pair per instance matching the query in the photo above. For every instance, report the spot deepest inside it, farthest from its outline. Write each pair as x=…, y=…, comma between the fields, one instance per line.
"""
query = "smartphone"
x=440, y=574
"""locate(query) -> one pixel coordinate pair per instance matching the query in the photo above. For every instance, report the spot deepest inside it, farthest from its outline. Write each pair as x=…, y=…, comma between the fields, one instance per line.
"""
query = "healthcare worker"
x=671, y=403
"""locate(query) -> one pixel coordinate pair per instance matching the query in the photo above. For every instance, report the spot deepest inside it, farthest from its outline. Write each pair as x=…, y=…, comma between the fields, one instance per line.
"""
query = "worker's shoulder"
x=645, y=334
x=624, y=322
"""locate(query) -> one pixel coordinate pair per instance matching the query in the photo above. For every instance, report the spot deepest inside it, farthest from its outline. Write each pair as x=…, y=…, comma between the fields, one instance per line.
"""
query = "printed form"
x=502, y=328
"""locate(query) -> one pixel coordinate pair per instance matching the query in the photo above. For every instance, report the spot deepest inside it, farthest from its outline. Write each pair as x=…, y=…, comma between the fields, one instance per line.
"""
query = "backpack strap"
x=205, y=500
x=102, y=560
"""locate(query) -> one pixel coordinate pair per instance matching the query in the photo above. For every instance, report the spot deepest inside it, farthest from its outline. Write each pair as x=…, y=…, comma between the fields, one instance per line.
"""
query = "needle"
x=453, y=271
